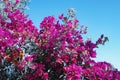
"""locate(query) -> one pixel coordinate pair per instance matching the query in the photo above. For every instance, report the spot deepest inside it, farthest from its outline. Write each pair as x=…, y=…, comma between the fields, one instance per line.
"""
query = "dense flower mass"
x=56, y=52
x=73, y=72
x=12, y=5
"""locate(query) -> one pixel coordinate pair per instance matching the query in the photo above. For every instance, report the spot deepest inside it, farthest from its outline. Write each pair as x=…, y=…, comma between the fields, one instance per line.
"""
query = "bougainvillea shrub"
x=56, y=52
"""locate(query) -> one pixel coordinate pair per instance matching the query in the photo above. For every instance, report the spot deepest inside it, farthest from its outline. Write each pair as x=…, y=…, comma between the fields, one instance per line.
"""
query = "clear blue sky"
x=100, y=16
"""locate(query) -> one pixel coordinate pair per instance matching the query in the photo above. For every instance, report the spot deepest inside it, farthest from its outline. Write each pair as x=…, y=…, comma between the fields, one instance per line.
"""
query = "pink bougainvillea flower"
x=76, y=21
x=21, y=65
x=6, y=9
x=61, y=16
x=45, y=76
x=73, y=72
x=17, y=1
x=0, y=60
x=100, y=41
x=0, y=16
x=30, y=58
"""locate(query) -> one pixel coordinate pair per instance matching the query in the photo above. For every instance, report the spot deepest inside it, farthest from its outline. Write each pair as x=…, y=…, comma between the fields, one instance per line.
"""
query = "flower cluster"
x=73, y=72
x=100, y=71
x=56, y=52
x=12, y=5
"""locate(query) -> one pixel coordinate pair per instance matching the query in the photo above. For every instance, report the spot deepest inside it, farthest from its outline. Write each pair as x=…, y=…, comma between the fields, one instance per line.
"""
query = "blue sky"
x=100, y=16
